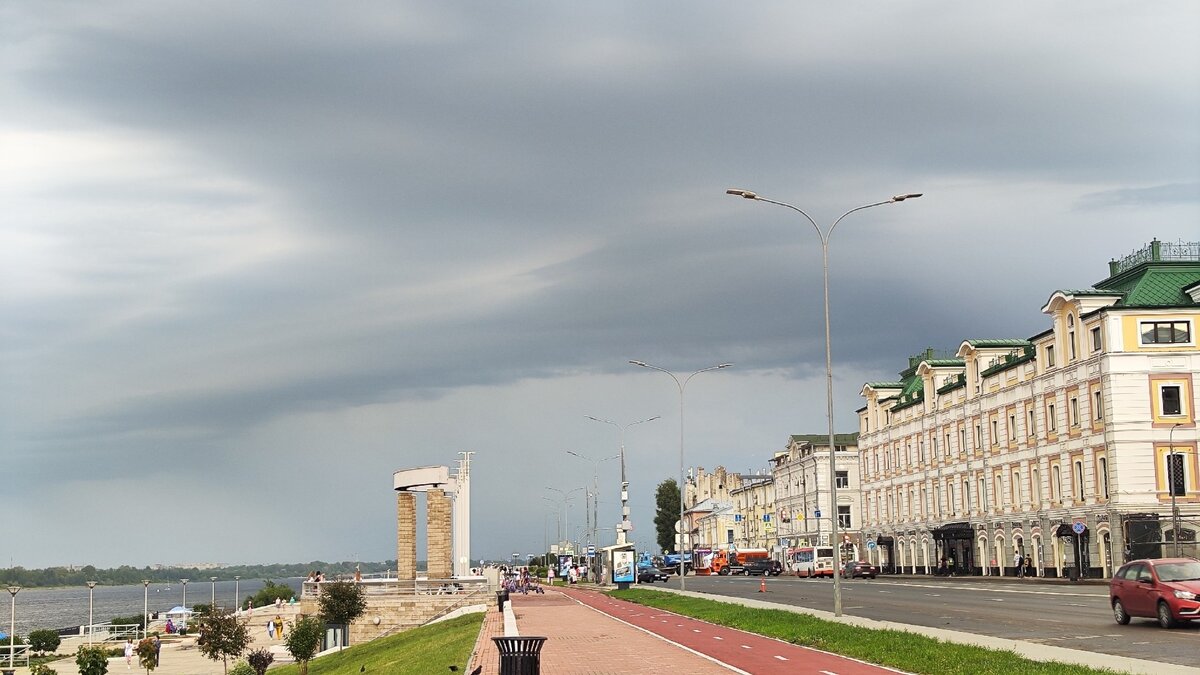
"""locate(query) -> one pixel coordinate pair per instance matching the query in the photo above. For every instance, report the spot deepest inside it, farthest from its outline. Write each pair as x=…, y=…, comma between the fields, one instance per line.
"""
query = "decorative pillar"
x=437, y=532
x=406, y=535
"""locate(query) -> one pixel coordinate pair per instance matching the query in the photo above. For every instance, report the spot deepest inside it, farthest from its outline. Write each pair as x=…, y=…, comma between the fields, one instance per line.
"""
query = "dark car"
x=763, y=566
x=648, y=575
x=859, y=568
x=1166, y=589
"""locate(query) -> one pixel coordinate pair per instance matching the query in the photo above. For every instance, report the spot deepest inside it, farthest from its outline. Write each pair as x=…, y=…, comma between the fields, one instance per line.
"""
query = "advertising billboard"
x=623, y=567
x=565, y=563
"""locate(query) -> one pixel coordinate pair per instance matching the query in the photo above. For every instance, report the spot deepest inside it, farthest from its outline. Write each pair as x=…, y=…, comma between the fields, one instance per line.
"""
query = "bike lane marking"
x=749, y=653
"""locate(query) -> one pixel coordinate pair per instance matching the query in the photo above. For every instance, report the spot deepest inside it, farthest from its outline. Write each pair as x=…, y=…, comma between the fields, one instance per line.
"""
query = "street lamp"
x=12, y=628
x=595, y=486
x=91, y=586
x=237, y=594
x=824, y=236
x=564, y=494
x=145, y=608
x=623, y=530
x=212, y=605
x=682, y=491
x=184, y=582
x=1171, y=488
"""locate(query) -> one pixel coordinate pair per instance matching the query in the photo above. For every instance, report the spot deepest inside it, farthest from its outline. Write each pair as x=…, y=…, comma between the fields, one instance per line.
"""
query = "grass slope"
x=897, y=649
x=420, y=651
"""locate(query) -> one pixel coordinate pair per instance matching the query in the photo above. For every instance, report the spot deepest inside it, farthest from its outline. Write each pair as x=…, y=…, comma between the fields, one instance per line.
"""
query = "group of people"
x=523, y=582
x=317, y=576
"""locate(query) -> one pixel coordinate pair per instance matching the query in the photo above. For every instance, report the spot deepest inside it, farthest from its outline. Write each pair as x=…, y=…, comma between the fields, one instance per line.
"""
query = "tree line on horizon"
x=126, y=575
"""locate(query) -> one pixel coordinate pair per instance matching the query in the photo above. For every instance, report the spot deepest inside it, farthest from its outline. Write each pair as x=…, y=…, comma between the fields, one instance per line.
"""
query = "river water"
x=56, y=608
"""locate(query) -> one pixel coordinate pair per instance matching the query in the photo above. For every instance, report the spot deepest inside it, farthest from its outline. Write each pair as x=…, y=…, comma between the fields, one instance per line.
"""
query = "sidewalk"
x=183, y=658
x=582, y=641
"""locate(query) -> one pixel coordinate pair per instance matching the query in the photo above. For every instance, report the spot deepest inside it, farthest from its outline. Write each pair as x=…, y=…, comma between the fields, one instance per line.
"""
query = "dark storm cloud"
x=240, y=235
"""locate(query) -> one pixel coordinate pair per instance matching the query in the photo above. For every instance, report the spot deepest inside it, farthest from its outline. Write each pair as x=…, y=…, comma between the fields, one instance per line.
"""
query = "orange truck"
x=726, y=562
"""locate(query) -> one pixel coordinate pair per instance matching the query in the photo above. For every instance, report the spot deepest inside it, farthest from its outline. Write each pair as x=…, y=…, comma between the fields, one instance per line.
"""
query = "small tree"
x=304, y=640
x=92, y=660
x=222, y=637
x=147, y=654
x=44, y=640
x=666, y=514
x=341, y=603
x=260, y=659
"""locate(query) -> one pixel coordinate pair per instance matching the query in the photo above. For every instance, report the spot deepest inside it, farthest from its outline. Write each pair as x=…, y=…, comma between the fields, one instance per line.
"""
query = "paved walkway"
x=590, y=633
x=181, y=657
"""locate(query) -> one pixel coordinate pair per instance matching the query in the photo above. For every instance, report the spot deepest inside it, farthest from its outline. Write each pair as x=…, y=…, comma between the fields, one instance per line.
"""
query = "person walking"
x=157, y=649
x=1020, y=561
x=278, y=626
x=128, y=653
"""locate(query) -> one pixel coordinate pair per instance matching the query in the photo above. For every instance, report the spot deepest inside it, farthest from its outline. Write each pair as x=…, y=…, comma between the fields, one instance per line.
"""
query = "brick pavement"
x=583, y=641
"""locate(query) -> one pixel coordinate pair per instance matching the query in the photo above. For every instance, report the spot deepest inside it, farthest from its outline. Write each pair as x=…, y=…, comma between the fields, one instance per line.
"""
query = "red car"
x=1167, y=589
x=859, y=568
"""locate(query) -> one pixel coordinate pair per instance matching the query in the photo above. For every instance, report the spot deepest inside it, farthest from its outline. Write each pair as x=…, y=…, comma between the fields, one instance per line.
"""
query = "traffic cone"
x=762, y=585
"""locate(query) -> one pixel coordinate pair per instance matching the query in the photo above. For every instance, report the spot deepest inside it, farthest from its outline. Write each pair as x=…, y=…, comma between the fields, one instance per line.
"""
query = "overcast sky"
x=256, y=256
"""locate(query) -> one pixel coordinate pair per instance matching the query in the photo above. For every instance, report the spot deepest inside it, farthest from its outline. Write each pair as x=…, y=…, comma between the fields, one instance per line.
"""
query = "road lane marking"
x=718, y=637
x=784, y=659
x=746, y=647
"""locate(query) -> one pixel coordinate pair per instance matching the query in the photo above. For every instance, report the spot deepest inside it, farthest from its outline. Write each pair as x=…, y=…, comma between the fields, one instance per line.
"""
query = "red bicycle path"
x=742, y=651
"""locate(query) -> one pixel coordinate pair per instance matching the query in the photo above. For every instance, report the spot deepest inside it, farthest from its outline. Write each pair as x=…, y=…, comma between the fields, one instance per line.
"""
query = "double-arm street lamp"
x=683, y=531
x=565, y=498
x=625, y=526
x=594, y=492
x=824, y=236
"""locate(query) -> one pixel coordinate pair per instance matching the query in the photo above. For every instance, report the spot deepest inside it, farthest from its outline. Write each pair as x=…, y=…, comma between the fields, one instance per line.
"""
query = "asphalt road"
x=1071, y=616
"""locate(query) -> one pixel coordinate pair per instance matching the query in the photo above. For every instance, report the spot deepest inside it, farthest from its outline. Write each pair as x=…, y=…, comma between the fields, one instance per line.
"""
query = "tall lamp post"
x=1171, y=478
x=824, y=236
x=565, y=498
x=237, y=594
x=91, y=587
x=595, y=483
x=682, y=491
x=184, y=582
x=213, y=603
x=623, y=530
x=145, y=608
x=12, y=628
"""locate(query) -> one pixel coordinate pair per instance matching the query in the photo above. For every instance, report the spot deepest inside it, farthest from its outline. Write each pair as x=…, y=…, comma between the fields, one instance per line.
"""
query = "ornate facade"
x=1069, y=447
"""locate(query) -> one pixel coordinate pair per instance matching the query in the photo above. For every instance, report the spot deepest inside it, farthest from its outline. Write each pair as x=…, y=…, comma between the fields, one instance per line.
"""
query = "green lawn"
x=420, y=651
x=897, y=649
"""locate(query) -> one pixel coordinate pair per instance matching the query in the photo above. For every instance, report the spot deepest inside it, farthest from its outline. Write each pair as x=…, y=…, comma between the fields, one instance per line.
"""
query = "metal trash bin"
x=1072, y=574
x=501, y=598
x=520, y=655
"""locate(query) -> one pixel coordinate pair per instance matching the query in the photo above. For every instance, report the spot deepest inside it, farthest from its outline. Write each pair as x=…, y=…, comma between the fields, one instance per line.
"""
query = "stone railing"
x=311, y=590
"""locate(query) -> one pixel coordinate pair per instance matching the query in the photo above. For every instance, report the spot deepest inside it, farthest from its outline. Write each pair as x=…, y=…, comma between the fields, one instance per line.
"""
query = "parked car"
x=859, y=568
x=763, y=567
x=1166, y=589
x=648, y=575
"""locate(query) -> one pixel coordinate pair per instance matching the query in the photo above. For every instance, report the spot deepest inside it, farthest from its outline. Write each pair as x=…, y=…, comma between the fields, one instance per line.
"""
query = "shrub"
x=241, y=668
x=260, y=659
x=44, y=640
x=267, y=594
x=147, y=654
x=92, y=660
x=305, y=640
x=42, y=669
x=134, y=620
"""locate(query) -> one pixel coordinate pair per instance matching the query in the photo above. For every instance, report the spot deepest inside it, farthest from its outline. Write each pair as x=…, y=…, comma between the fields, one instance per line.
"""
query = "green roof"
x=885, y=385
x=1158, y=285
x=997, y=342
x=946, y=363
x=823, y=439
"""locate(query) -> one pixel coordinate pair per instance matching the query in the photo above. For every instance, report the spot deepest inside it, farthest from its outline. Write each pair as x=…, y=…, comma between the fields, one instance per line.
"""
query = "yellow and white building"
x=1060, y=447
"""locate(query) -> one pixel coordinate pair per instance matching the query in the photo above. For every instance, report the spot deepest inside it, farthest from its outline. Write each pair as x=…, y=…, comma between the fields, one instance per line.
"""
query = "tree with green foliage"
x=341, y=603
x=666, y=514
x=92, y=660
x=222, y=636
x=304, y=640
x=147, y=654
x=269, y=593
x=260, y=659
x=44, y=640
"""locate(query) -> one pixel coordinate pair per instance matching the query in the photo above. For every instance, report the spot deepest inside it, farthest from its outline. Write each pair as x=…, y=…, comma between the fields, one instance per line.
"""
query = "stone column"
x=437, y=532
x=406, y=535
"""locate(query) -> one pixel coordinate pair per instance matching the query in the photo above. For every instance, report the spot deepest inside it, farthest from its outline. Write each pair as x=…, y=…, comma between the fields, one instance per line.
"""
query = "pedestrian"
x=271, y=629
x=128, y=653
x=1029, y=567
x=357, y=574
x=157, y=649
x=549, y=576
x=1020, y=560
x=279, y=626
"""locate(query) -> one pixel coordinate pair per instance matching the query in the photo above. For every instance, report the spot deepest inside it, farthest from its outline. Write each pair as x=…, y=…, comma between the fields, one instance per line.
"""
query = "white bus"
x=811, y=561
